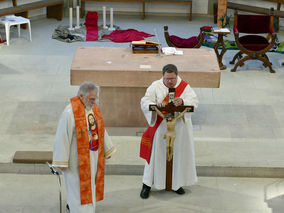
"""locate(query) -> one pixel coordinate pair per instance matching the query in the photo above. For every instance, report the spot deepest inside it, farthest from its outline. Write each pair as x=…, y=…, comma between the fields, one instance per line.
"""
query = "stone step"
x=213, y=158
x=118, y=169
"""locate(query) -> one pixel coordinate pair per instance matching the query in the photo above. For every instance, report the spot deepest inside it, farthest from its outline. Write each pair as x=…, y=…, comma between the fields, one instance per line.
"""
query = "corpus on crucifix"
x=171, y=123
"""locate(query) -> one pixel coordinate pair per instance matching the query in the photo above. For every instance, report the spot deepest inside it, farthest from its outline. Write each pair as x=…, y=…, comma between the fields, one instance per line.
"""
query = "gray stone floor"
x=39, y=193
x=240, y=124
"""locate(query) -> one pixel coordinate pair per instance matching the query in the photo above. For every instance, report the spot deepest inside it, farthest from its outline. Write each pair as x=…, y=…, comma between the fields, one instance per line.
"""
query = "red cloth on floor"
x=91, y=23
x=92, y=33
x=127, y=35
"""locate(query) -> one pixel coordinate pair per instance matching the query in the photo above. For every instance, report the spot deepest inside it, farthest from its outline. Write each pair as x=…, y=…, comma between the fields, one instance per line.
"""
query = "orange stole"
x=84, y=152
x=147, y=137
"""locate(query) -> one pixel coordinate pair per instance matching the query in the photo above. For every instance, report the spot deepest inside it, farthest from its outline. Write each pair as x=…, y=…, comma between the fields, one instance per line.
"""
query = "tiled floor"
x=39, y=193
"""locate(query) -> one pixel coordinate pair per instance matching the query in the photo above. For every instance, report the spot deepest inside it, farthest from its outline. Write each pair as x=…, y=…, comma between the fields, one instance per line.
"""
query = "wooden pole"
x=169, y=174
x=222, y=10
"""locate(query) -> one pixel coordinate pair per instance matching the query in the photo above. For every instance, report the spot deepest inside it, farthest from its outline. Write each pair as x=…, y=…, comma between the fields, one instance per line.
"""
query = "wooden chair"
x=253, y=45
x=192, y=42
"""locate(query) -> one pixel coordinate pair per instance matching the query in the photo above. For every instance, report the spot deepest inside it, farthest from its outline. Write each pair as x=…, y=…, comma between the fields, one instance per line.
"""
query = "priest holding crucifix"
x=154, y=141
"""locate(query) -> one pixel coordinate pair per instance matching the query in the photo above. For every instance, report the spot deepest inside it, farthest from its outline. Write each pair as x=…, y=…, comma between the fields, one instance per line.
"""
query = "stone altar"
x=123, y=77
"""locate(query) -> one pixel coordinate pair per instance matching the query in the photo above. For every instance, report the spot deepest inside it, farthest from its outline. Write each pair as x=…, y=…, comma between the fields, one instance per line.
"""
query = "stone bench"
x=54, y=8
x=189, y=2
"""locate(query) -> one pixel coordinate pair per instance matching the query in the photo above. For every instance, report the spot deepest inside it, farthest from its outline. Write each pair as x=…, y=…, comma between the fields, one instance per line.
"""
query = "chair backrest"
x=253, y=23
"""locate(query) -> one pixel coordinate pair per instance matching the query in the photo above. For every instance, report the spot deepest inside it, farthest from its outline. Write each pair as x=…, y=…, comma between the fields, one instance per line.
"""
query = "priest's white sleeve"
x=189, y=98
x=109, y=148
x=63, y=138
x=149, y=98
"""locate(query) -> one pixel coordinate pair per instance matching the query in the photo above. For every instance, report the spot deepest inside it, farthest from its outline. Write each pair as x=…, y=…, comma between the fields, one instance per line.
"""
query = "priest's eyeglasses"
x=170, y=79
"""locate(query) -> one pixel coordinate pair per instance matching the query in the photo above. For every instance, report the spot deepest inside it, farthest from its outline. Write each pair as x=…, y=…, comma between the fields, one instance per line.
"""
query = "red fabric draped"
x=91, y=24
x=127, y=35
x=184, y=42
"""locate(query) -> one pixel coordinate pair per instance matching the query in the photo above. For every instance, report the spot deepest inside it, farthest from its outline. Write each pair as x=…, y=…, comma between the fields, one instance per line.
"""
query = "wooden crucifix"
x=169, y=111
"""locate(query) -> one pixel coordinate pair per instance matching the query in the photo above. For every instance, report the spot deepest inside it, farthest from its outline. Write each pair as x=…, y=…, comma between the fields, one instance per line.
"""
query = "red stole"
x=83, y=150
x=147, y=137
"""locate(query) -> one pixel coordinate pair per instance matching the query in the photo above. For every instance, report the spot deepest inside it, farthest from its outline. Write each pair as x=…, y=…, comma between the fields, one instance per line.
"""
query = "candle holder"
x=104, y=18
x=111, y=28
x=70, y=19
x=77, y=17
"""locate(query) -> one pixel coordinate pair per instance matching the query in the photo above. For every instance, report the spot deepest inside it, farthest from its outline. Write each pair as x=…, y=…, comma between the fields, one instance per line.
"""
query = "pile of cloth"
x=127, y=35
x=62, y=33
x=92, y=32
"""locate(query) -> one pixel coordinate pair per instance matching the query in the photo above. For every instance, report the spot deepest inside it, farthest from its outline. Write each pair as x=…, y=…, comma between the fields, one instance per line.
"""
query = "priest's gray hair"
x=86, y=87
x=169, y=68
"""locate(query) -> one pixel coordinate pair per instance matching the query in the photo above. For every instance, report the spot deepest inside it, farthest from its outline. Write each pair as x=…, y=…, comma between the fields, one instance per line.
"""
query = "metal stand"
x=53, y=171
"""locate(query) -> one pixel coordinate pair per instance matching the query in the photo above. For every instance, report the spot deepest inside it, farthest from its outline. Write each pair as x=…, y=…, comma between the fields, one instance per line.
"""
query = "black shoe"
x=145, y=191
x=180, y=191
x=67, y=207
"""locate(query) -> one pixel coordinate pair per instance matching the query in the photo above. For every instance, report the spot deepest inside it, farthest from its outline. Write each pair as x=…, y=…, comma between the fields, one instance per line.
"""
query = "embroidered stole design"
x=147, y=137
x=93, y=132
x=83, y=150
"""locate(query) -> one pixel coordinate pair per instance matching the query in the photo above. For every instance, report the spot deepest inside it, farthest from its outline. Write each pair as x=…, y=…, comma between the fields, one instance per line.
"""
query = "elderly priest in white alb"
x=80, y=148
x=153, y=144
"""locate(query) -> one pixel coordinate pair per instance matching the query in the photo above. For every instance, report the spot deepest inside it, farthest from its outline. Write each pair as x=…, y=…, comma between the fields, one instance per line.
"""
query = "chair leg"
x=240, y=63
x=265, y=56
x=238, y=55
x=7, y=29
x=30, y=31
x=19, y=30
x=266, y=63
